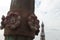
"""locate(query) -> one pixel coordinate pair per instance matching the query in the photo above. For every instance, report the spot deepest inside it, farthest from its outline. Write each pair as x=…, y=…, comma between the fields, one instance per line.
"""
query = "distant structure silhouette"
x=42, y=32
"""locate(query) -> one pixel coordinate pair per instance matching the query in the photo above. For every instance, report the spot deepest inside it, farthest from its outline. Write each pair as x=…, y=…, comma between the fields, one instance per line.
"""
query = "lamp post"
x=20, y=23
x=23, y=5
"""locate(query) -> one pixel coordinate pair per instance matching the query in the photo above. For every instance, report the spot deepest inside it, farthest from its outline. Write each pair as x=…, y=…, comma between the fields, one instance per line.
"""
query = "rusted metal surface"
x=20, y=19
x=23, y=5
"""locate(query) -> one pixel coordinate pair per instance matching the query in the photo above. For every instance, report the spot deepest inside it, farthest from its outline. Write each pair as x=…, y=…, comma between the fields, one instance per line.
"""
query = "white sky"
x=49, y=12
x=46, y=10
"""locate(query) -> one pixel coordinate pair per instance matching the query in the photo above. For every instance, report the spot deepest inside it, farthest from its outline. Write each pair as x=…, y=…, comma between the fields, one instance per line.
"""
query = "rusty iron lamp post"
x=20, y=23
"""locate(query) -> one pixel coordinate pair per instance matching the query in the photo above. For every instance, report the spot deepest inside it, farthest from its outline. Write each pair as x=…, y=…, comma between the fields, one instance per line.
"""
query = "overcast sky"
x=47, y=11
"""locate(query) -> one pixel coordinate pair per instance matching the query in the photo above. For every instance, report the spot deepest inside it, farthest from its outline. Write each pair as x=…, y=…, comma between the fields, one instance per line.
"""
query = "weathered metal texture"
x=42, y=32
x=21, y=20
x=23, y=5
